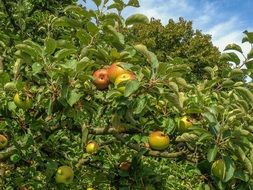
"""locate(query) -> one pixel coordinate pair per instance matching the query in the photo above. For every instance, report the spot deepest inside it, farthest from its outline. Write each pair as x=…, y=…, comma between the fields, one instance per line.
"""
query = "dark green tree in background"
x=178, y=39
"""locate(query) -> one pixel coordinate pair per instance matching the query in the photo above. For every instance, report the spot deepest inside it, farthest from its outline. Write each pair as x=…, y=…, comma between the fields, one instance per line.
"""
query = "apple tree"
x=83, y=107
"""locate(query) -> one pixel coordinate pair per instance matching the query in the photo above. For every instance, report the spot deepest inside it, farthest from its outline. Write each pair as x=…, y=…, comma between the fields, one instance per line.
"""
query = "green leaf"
x=248, y=165
x=249, y=64
x=27, y=49
x=212, y=152
x=97, y=2
x=116, y=34
x=233, y=47
x=133, y=3
x=119, y=6
x=231, y=57
x=73, y=97
x=250, y=54
x=245, y=93
x=131, y=87
x=249, y=36
x=61, y=54
x=76, y=9
x=141, y=104
x=230, y=168
x=92, y=28
x=137, y=19
x=50, y=46
x=85, y=133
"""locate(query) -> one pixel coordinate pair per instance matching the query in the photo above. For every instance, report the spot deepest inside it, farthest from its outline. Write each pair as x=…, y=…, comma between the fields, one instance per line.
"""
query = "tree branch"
x=153, y=153
x=111, y=130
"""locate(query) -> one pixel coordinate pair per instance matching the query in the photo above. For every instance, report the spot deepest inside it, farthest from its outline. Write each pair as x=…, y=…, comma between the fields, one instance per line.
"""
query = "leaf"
x=76, y=9
x=141, y=104
x=116, y=34
x=85, y=133
x=249, y=64
x=249, y=36
x=73, y=97
x=246, y=93
x=137, y=19
x=250, y=54
x=230, y=168
x=50, y=46
x=231, y=57
x=186, y=137
x=27, y=49
x=61, y=54
x=92, y=28
x=133, y=3
x=248, y=165
x=131, y=87
x=97, y=2
x=233, y=47
x=212, y=152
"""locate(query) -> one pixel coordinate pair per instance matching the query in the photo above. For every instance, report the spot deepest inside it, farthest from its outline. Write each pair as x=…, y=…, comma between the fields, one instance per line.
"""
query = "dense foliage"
x=52, y=106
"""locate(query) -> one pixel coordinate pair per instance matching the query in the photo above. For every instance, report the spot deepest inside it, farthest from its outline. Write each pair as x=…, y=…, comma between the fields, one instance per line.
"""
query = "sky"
x=225, y=20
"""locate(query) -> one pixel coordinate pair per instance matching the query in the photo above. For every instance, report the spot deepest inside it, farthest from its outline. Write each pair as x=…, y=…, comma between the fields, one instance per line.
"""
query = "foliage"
x=52, y=71
x=178, y=40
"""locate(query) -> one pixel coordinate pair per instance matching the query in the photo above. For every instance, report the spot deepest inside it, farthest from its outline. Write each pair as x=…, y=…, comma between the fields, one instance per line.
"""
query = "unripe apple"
x=90, y=188
x=121, y=79
x=125, y=166
x=101, y=79
x=158, y=140
x=218, y=169
x=64, y=174
x=115, y=70
x=92, y=147
x=184, y=124
x=25, y=103
x=3, y=141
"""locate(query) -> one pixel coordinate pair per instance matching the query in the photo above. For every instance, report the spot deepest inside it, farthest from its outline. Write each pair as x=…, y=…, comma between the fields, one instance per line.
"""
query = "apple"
x=64, y=174
x=184, y=124
x=158, y=140
x=92, y=147
x=90, y=188
x=125, y=166
x=101, y=79
x=218, y=169
x=24, y=103
x=121, y=79
x=115, y=70
x=3, y=141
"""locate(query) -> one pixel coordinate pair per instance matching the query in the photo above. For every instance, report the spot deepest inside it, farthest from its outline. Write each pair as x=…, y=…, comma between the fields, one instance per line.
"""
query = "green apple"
x=3, y=141
x=92, y=147
x=24, y=103
x=218, y=169
x=64, y=174
x=184, y=124
x=158, y=140
x=122, y=79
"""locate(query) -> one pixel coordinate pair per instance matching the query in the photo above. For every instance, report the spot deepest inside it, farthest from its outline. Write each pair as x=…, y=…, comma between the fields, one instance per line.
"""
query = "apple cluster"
x=115, y=74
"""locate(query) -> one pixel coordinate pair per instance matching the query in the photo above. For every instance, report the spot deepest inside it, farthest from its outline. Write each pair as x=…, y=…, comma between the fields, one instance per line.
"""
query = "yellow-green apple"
x=218, y=169
x=115, y=70
x=3, y=141
x=90, y=188
x=92, y=147
x=64, y=174
x=158, y=140
x=122, y=79
x=22, y=102
x=101, y=79
x=184, y=124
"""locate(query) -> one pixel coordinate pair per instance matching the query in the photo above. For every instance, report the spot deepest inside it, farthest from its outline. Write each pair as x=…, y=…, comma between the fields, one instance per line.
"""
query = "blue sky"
x=225, y=20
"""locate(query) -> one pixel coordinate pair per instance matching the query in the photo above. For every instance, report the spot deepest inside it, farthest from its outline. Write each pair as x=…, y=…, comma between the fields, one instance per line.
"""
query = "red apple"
x=101, y=79
x=125, y=166
x=115, y=70
x=158, y=140
x=3, y=141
